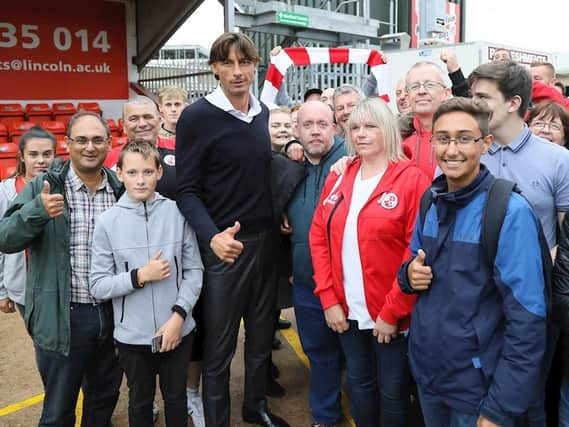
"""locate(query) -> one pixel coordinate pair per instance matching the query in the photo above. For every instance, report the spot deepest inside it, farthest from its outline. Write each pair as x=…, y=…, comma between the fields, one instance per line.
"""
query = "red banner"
x=65, y=49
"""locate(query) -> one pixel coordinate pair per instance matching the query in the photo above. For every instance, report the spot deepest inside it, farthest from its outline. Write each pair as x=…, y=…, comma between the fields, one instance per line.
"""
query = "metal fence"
x=195, y=76
x=299, y=79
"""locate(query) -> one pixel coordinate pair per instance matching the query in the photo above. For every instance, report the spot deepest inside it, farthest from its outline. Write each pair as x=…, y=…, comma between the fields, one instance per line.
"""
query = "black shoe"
x=274, y=371
x=263, y=417
x=274, y=389
x=283, y=324
x=276, y=343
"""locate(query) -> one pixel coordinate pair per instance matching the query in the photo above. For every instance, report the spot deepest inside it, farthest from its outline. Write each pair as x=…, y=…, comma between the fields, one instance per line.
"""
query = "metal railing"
x=299, y=79
x=194, y=75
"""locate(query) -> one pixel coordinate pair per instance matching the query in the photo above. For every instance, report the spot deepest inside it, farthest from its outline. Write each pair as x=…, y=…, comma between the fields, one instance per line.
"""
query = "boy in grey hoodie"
x=146, y=259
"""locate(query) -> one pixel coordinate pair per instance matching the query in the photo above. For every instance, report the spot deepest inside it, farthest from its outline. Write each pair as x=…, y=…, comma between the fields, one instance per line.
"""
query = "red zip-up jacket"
x=385, y=226
x=419, y=146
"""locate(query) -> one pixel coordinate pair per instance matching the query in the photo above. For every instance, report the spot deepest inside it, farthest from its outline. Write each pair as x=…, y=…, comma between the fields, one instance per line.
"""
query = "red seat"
x=54, y=126
x=61, y=148
x=38, y=113
x=17, y=129
x=113, y=127
x=8, y=159
x=90, y=106
x=11, y=113
x=120, y=124
x=3, y=133
x=62, y=111
x=119, y=141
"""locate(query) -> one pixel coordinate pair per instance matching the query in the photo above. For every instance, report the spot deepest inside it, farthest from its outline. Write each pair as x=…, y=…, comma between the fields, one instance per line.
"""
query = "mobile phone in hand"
x=156, y=344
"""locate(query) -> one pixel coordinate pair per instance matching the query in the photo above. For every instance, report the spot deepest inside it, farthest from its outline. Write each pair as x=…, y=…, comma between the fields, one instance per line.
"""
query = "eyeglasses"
x=83, y=141
x=429, y=86
x=553, y=127
x=460, y=141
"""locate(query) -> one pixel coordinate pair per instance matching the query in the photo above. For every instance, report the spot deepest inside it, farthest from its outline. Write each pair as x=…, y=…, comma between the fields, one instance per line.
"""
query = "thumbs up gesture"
x=419, y=274
x=52, y=203
x=154, y=270
x=225, y=246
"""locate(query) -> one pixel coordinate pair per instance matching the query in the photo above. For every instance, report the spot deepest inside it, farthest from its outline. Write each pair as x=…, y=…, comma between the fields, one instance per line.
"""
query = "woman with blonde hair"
x=359, y=237
x=280, y=128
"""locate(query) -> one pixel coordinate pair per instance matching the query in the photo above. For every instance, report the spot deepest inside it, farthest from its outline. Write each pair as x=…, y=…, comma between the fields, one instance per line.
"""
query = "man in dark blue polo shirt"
x=223, y=154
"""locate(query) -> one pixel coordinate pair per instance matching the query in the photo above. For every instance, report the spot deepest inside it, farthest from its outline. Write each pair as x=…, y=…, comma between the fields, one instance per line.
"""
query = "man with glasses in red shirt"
x=427, y=87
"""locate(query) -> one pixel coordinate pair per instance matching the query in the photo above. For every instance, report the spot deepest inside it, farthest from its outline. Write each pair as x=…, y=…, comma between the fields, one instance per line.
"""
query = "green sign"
x=291, y=18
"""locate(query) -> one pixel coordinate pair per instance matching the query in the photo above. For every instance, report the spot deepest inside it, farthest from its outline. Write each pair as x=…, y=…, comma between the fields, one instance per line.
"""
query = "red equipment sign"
x=66, y=49
x=450, y=22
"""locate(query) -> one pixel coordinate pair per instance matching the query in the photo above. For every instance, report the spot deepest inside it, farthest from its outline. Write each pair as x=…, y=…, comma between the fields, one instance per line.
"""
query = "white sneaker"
x=195, y=409
x=155, y=411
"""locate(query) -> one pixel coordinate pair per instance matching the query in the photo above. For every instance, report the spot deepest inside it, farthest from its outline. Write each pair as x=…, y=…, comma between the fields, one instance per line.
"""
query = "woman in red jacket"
x=359, y=237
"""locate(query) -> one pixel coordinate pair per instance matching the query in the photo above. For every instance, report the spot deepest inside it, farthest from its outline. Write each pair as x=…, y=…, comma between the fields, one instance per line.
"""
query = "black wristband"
x=177, y=309
x=288, y=144
x=134, y=279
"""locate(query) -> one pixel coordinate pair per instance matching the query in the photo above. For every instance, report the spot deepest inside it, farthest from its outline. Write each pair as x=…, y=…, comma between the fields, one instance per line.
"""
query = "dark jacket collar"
x=463, y=196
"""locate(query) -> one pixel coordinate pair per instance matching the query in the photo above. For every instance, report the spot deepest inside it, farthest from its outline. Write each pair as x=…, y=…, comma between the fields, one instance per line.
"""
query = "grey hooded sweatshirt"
x=12, y=266
x=126, y=236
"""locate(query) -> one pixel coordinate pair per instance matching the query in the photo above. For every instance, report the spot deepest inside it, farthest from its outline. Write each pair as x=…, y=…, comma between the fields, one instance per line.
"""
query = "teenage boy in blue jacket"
x=146, y=259
x=477, y=335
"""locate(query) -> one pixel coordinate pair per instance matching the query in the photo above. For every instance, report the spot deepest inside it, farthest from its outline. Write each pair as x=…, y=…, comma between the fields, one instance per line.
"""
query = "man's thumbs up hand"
x=52, y=203
x=419, y=274
x=225, y=246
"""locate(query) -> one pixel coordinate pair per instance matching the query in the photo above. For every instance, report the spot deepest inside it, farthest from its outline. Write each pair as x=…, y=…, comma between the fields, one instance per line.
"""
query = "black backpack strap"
x=547, y=265
x=425, y=205
x=492, y=221
x=493, y=217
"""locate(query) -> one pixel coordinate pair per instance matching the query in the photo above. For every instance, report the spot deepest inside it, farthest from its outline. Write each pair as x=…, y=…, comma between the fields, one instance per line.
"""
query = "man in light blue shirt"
x=540, y=168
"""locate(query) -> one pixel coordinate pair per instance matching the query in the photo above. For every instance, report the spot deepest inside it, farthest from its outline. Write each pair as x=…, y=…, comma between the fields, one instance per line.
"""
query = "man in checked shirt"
x=54, y=217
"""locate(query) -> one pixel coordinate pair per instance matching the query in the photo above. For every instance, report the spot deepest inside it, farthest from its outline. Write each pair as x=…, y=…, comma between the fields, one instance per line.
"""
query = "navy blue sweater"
x=223, y=170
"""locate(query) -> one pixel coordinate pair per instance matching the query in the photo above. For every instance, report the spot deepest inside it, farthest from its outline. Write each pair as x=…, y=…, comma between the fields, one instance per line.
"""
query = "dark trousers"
x=438, y=414
x=231, y=291
x=322, y=347
x=90, y=365
x=141, y=367
x=378, y=378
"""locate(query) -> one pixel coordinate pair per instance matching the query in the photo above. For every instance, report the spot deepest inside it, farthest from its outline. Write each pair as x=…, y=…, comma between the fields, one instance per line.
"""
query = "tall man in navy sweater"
x=223, y=164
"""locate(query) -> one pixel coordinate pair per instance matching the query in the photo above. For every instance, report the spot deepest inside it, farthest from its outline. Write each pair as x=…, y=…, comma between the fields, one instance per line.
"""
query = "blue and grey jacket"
x=477, y=336
x=125, y=238
x=301, y=209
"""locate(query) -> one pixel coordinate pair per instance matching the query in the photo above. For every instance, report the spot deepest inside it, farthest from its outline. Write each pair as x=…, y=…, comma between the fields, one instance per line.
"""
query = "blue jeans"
x=378, y=378
x=321, y=346
x=438, y=414
x=90, y=365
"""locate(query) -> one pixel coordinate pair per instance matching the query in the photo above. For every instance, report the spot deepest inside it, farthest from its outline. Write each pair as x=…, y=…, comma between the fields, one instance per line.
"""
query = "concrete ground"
x=21, y=389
